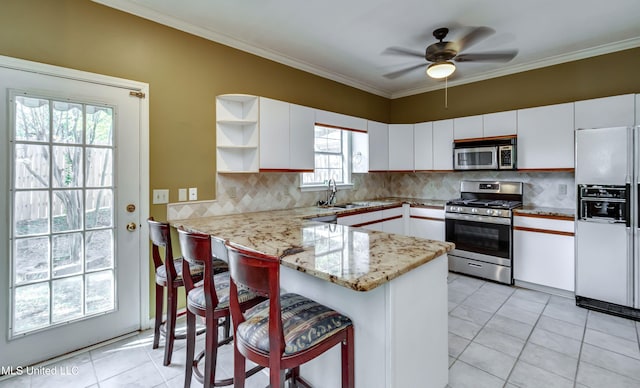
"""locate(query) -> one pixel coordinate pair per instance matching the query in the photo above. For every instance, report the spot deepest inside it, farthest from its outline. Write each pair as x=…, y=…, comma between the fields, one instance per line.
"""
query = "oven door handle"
x=478, y=218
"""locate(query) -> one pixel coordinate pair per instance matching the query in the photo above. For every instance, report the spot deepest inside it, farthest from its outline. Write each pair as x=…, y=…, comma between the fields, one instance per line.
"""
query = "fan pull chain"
x=446, y=102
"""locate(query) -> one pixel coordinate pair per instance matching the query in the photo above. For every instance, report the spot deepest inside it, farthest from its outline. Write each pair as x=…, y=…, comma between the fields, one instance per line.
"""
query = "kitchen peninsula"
x=393, y=287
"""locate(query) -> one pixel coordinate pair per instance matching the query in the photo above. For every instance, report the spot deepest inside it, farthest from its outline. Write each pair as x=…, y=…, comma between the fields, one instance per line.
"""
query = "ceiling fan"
x=441, y=55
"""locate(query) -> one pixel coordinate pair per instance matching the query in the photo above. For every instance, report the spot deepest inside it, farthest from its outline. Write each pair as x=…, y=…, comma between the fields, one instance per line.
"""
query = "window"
x=332, y=147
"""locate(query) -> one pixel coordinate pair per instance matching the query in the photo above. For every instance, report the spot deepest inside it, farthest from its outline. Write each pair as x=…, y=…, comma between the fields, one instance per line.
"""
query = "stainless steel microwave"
x=485, y=155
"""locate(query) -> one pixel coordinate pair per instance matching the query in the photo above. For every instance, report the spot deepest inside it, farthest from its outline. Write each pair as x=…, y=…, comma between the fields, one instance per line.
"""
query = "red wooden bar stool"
x=284, y=331
x=208, y=299
x=169, y=277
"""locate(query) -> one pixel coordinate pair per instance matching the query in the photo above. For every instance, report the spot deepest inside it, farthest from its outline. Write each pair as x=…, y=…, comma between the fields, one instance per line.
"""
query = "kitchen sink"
x=353, y=205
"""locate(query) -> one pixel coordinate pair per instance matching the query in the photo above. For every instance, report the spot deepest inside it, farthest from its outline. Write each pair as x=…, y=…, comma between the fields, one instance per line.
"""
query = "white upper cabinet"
x=616, y=111
x=340, y=120
x=359, y=152
x=237, y=133
x=401, y=147
x=546, y=138
x=467, y=127
x=302, y=121
x=482, y=126
x=423, y=146
x=500, y=123
x=286, y=136
x=378, y=146
x=274, y=134
x=443, y=145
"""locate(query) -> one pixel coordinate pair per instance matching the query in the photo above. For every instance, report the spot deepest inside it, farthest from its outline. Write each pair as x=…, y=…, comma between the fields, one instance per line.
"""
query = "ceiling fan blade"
x=403, y=51
x=404, y=71
x=497, y=56
x=474, y=36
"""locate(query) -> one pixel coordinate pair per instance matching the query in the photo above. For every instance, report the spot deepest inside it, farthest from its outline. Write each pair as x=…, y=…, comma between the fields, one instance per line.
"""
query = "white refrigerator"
x=608, y=245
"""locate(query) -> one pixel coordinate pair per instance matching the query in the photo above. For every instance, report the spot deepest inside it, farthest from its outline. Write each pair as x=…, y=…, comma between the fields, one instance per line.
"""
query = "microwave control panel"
x=506, y=157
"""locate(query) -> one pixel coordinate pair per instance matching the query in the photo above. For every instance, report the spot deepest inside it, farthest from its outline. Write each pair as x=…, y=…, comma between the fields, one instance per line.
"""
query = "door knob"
x=131, y=226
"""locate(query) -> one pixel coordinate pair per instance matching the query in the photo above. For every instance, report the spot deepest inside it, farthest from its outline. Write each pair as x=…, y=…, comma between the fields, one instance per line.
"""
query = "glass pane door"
x=62, y=212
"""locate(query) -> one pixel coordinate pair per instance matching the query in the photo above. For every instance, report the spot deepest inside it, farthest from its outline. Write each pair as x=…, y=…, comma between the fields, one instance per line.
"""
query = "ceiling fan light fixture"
x=441, y=70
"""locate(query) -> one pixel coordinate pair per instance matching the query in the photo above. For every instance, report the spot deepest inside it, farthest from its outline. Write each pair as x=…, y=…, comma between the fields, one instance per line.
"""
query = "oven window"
x=480, y=237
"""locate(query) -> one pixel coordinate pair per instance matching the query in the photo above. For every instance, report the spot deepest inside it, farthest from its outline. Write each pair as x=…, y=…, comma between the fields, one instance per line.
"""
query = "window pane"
x=67, y=167
x=99, y=246
x=32, y=119
x=67, y=254
x=322, y=161
x=334, y=146
x=31, y=166
x=31, y=259
x=99, y=125
x=31, y=307
x=99, y=292
x=99, y=167
x=67, y=210
x=99, y=208
x=335, y=161
x=31, y=213
x=67, y=298
x=67, y=122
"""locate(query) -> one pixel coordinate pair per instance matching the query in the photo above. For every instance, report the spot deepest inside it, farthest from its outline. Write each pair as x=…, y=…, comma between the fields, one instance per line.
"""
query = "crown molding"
x=146, y=13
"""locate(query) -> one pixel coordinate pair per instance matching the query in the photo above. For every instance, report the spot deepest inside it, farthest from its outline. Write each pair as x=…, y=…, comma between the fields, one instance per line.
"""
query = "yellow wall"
x=185, y=73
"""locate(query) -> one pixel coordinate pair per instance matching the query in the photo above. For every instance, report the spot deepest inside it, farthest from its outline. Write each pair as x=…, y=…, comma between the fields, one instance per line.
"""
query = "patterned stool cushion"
x=161, y=272
x=305, y=323
x=196, y=296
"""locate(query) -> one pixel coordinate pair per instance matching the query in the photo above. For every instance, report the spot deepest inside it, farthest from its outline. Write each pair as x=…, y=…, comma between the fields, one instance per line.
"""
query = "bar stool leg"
x=172, y=307
x=348, y=360
x=191, y=348
x=211, y=346
x=238, y=369
x=159, y=308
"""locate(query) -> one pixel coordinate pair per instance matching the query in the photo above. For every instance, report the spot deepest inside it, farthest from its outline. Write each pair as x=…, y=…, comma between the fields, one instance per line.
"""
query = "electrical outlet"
x=182, y=195
x=160, y=196
x=193, y=193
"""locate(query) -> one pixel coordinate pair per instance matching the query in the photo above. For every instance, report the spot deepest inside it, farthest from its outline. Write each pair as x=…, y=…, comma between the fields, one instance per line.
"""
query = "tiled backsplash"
x=269, y=191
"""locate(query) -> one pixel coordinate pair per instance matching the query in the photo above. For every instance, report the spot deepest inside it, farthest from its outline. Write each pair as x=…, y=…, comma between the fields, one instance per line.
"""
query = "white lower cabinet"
x=388, y=220
x=393, y=221
x=426, y=223
x=543, y=251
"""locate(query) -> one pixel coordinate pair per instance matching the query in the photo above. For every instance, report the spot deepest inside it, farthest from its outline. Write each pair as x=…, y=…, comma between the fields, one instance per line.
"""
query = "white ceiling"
x=344, y=40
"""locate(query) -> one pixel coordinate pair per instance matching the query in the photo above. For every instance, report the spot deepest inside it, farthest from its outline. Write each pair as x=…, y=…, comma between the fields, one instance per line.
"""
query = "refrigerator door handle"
x=630, y=274
x=627, y=204
x=630, y=152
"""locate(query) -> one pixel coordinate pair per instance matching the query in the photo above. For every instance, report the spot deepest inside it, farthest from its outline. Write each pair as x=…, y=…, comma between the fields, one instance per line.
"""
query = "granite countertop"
x=355, y=258
x=545, y=211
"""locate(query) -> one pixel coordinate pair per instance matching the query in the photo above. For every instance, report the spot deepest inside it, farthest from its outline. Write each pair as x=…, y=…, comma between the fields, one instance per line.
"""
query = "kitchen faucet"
x=331, y=191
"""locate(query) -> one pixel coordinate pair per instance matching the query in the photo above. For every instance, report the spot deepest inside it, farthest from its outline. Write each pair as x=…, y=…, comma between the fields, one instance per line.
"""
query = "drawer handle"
x=474, y=265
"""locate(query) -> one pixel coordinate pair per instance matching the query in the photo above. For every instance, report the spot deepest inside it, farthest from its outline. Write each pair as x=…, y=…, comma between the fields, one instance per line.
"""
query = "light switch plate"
x=193, y=193
x=182, y=195
x=160, y=196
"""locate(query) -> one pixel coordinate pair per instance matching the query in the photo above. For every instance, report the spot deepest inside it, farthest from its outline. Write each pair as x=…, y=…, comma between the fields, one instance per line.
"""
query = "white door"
x=71, y=269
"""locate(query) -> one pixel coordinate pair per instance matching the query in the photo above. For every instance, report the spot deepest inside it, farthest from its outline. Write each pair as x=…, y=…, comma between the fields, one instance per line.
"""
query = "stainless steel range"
x=479, y=223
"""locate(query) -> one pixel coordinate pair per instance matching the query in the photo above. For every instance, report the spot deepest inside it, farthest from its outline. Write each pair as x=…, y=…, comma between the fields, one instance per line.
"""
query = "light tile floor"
x=499, y=336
